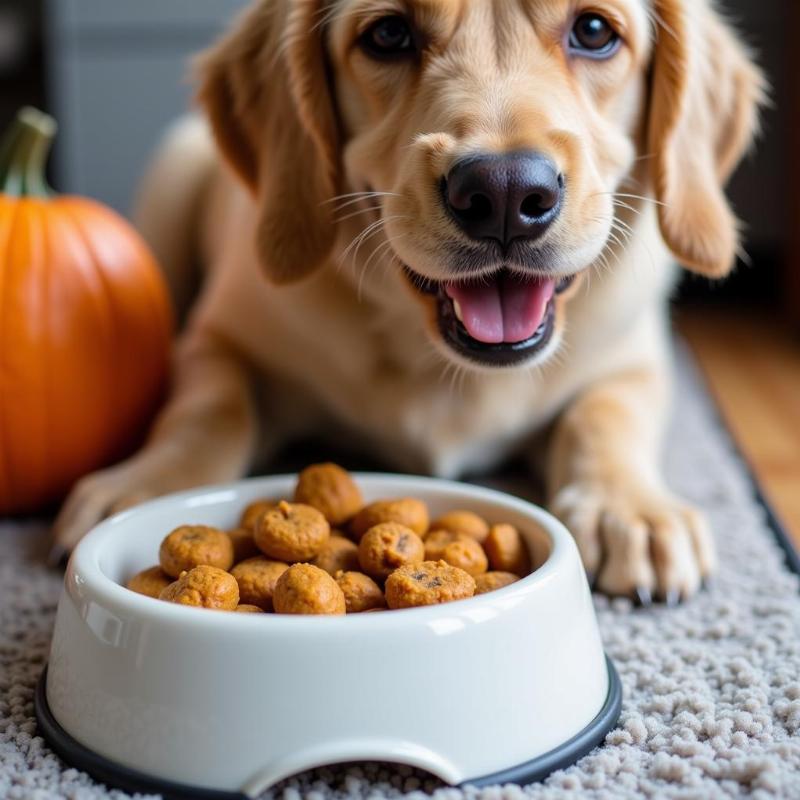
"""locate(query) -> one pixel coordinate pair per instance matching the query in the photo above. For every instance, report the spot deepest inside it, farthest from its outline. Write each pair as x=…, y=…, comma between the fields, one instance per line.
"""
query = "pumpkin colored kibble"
x=306, y=589
x=329, y=489
x=458, y=550
x=244, y=544
x=490, y=581
x=406, y=511
x=245, y=608
x=465, y=522
x=204, y=587
x=195, y=545
x=337, y=555
x=361, y=593
x=253, y=513
x=257, y=578
x=292, y=532
x=87, y=327
x=150, y=582
x=507, y=551
x=427, y=584
x=391, y=567
x=386, y=547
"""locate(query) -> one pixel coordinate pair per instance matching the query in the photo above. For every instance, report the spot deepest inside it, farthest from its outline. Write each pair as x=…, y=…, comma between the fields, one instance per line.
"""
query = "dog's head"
x=490, y=140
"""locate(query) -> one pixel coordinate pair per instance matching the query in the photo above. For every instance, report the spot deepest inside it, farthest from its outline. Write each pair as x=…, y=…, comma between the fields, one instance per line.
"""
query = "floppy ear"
x=704, y=105
x=265, y=89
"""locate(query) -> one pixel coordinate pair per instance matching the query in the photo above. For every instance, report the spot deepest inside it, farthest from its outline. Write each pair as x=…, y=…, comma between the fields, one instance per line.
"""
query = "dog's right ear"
x=265, y=89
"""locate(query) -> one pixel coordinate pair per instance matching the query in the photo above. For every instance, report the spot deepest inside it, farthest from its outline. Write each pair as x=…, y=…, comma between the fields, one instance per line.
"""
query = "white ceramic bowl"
x=158, y=697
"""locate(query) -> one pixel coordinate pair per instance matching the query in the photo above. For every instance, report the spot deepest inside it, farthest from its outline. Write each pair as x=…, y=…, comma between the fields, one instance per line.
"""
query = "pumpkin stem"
x=23, y=154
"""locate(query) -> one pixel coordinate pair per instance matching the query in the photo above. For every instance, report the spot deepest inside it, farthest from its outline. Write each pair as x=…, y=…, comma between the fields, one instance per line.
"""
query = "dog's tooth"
x=457, y=309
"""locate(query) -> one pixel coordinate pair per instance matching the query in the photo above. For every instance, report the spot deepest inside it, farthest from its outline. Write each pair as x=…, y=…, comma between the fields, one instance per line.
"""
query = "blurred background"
x=116, y=73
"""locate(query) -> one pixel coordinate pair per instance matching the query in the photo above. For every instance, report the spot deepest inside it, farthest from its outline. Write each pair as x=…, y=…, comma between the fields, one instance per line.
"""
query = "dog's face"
x=490, y=139
x=498, y=132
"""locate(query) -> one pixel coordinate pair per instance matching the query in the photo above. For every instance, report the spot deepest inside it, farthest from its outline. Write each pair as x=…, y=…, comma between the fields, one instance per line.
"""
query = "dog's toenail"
x=673, y=598
x=643, y=597
x=590, y=577
x=707, y=583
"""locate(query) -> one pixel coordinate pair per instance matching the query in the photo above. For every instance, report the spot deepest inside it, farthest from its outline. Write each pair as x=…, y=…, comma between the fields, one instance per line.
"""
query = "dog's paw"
x=637, y=542
x=97, y=496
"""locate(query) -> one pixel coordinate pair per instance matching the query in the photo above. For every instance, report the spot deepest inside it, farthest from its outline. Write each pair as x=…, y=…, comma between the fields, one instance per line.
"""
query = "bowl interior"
x=129, y=542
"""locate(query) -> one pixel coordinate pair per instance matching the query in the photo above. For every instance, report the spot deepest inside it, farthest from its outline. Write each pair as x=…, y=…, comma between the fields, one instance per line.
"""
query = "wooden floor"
x=752, y=363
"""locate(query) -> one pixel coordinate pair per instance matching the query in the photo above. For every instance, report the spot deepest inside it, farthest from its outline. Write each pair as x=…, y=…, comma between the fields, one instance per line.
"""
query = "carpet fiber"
x=712, y=689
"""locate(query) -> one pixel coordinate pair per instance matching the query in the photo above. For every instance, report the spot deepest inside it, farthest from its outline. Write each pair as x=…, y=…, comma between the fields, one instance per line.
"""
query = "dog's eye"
x=389, y=37
x=593, y=35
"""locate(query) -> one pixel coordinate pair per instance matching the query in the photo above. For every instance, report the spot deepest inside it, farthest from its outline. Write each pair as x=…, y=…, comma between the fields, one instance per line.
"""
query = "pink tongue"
x=508, y=309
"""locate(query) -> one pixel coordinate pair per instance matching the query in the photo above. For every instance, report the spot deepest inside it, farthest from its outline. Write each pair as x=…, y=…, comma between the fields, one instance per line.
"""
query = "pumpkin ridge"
x=151, y=336
x=5, y=472
x=39, y=249
x=109, y=316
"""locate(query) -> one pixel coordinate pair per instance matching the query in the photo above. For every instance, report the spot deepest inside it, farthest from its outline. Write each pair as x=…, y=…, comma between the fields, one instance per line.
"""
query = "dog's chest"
x=452, y=426
x=435, y=421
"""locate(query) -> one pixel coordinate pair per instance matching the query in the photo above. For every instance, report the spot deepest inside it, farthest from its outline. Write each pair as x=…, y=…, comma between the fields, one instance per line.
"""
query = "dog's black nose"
x=504, y=197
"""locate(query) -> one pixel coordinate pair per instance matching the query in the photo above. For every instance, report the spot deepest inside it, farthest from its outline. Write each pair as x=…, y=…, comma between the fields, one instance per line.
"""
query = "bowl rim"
x=85, y=561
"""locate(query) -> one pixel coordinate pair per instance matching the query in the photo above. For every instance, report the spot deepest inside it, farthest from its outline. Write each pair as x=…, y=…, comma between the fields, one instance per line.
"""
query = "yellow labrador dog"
x=453, y=229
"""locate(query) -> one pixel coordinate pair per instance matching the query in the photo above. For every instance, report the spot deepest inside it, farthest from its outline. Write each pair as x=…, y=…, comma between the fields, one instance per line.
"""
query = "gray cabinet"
x=118, y=74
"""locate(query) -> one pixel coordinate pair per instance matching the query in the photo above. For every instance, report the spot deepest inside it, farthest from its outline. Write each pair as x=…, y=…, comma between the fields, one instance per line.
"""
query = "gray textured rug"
x=712, y=689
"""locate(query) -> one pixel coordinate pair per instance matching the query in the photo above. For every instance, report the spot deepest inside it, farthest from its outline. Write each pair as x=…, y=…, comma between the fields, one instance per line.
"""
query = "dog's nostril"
x=534, y=205
x=479, y=208
x=561, y=180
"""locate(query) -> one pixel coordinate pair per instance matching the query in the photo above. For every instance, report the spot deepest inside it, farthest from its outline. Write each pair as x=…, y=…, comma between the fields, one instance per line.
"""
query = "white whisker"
x=628, y=207
x=641, y=197
x=362, y=236
x=357, y=213
x=358, y=196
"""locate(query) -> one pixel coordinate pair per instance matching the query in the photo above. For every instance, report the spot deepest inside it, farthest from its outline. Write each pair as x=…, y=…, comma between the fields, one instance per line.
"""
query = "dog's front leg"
x=205, y=434
x=604, y=483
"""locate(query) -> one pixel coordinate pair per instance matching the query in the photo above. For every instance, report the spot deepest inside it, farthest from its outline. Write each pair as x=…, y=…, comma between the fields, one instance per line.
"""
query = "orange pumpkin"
x=85, y=329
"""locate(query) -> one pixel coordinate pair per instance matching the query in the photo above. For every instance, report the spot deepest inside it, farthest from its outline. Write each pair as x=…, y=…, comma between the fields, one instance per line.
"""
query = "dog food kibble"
x=329, y=489
x=244, y=608
x=306, y=589
x=427, y=584
x=490, y=581
x=407, y=511
x=385, y=547
x=361, y=593
x=204, y=587
x=506, y=550
x=292, y=532
x=286, y=558
x=150, y=582
x=462, y=522
x=337, y=554
x=193, y=546
x=257, y=577
x=458, y=550
x=253, y=513
x=244, y=545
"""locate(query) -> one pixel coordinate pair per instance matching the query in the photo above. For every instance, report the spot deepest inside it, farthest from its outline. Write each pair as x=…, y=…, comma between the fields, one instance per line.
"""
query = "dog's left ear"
x=704, y=103
x=266, y=91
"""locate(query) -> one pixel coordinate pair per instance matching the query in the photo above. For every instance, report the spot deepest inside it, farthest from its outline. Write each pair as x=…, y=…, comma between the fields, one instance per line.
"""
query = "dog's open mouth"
x=498, y=320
